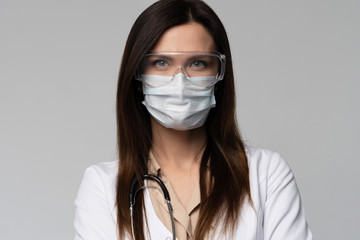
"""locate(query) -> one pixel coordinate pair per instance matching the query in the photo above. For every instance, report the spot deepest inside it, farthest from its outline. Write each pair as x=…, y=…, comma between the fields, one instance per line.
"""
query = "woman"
x=176, y=121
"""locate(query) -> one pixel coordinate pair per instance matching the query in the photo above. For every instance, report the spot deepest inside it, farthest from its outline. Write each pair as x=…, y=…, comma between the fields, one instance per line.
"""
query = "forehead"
x=187, y=37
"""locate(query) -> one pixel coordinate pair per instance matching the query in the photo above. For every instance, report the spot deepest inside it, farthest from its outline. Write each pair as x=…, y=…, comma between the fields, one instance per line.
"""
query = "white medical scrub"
x=276, y=214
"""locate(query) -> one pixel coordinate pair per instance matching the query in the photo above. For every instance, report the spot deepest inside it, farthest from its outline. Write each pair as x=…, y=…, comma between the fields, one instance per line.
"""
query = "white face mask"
x=180, y=104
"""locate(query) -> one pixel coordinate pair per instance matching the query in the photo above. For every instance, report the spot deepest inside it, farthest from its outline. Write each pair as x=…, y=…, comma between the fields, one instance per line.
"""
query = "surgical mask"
x=180, y=104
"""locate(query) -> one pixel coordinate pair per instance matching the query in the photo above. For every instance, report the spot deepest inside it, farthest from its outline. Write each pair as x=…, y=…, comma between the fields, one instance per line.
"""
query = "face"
x=187, y=37
x=178, y=111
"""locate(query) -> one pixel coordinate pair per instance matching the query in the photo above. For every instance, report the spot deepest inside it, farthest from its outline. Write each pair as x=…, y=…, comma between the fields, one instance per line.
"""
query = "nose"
x=180, y=81
x=179, y=70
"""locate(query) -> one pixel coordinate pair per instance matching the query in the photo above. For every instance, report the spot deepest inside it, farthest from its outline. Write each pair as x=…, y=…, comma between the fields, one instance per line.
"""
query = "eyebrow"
x=160, y=56
x=169, y=57
x=198, y=57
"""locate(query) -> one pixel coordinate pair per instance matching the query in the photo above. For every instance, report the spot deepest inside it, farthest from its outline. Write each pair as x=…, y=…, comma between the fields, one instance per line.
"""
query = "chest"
x=248, y=228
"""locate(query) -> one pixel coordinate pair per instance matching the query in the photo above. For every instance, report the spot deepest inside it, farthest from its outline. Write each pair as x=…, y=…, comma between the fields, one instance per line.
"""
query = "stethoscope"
x=132, y=197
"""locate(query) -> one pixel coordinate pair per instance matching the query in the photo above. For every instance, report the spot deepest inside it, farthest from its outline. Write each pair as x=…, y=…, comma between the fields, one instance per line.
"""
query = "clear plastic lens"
x=195, y=65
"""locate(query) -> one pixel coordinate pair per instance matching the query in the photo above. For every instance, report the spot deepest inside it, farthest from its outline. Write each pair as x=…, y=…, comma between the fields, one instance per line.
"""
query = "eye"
x=198, y=65
x=160, y=63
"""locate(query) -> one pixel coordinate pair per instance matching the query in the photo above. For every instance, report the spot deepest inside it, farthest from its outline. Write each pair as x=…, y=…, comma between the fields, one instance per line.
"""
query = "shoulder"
x=264, y=163
x=102, y=174
x=104, y=170
x=99, y=180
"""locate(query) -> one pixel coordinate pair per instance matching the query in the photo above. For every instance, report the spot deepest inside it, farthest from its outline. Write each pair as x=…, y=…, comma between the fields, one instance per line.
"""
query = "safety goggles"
x=200, y=68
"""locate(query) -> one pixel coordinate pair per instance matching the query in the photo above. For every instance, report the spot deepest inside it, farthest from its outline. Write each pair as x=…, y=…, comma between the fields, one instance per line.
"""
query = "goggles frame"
x=221, y=58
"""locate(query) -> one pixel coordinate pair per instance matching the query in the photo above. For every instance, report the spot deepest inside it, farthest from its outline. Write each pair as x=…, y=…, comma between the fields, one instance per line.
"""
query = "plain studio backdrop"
x=297, y=78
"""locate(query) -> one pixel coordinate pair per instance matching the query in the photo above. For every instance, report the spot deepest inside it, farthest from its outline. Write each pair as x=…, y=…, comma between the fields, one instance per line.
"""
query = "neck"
x=177, y=149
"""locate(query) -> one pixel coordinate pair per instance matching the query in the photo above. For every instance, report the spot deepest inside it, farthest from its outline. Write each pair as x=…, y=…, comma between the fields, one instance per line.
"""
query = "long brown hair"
x=224, y=149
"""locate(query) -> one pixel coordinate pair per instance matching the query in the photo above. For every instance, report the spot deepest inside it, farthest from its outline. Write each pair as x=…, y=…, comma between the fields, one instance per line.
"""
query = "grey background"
x=297, y=71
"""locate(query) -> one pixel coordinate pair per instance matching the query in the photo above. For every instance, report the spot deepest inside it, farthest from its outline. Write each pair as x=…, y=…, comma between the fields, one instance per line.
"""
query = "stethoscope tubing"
x=132, y=196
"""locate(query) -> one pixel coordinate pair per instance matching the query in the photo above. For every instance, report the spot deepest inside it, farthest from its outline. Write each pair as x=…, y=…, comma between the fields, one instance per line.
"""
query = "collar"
x=185, y=217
